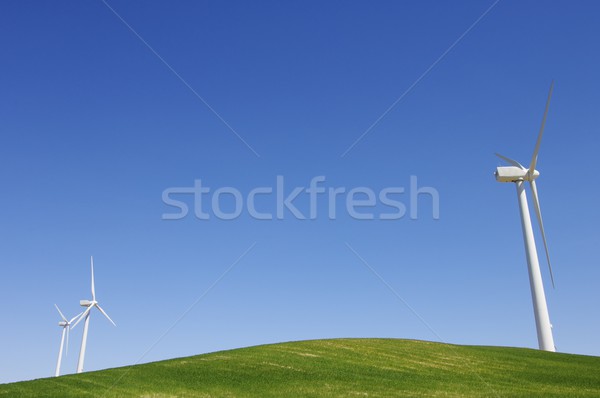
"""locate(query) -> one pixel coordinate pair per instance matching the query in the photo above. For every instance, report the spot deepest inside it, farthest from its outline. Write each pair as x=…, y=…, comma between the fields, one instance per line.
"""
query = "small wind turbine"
x=65, y=323
x=86, y=314
x=518, y=174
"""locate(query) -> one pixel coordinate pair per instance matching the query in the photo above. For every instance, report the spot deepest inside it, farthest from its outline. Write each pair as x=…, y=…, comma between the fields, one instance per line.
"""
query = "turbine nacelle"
x=86, y=303
x=514, y=174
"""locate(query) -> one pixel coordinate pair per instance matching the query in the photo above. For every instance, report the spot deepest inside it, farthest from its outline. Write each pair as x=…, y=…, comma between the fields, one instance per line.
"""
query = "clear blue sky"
x=94, y=127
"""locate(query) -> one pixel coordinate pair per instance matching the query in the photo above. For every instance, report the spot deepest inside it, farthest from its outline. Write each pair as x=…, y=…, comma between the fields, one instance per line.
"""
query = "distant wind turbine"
x=86, y=314
x=518, y=174
x=66, y=325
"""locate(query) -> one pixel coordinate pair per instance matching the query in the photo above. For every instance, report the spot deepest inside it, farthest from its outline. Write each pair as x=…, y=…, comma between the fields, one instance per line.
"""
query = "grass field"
x=338, y=368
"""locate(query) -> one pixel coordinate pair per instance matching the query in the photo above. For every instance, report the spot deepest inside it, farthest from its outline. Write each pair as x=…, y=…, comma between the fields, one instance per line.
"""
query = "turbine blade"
x=83, y=315
x=60, y=312
x=105, y=314
x=511, y=161
x=536, y=203
x=67, y=350
x=75, y=317
x=539, y=139
x=93, y=288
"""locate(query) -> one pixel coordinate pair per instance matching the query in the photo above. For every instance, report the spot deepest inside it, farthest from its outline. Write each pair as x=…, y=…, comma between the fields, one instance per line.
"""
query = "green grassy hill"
x=337, y=368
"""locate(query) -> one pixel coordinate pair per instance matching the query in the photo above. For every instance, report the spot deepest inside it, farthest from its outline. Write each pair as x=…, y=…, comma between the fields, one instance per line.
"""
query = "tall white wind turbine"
x=66, y=325
x=518, y=174
x=86, y=314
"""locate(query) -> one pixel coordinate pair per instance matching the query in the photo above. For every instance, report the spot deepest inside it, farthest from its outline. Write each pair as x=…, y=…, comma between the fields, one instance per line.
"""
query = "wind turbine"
x=518, y=174
x=86, y=314
x=65, y=323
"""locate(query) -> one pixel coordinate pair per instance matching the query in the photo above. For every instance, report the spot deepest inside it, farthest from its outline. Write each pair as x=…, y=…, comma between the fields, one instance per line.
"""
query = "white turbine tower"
x=86, y=314
x=518, y=174
x=65, y=324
